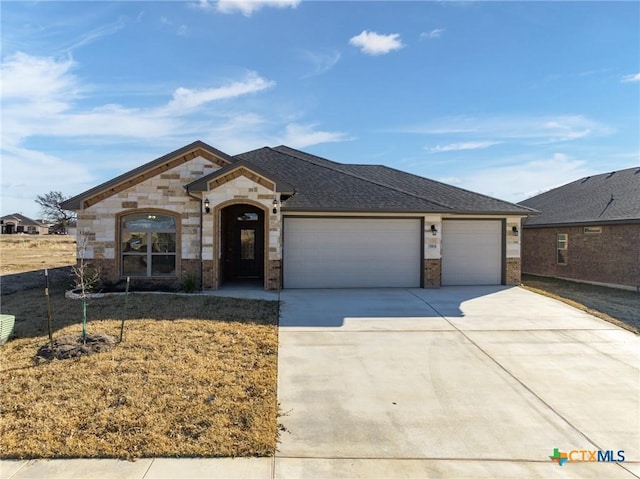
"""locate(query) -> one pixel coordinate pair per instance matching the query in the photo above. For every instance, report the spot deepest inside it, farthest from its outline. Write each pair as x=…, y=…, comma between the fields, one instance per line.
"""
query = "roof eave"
x=566, y=224
x=299, y=209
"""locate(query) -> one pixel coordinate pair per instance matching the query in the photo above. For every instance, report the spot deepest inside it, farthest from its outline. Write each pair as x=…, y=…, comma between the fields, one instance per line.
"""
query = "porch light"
x=275, y=206
x=207, y=208
x=515, y=230
x=434, y=230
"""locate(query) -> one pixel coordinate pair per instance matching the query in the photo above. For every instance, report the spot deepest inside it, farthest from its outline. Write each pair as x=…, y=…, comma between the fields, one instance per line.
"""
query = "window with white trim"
x=562, y=240
x=148, y=245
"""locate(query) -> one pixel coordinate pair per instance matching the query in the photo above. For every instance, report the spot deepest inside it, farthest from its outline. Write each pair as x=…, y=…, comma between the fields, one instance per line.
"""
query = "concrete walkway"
x=470, y=382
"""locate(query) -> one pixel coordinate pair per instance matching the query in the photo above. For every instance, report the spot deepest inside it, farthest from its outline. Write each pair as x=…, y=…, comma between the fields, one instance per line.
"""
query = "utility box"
x=6, y=327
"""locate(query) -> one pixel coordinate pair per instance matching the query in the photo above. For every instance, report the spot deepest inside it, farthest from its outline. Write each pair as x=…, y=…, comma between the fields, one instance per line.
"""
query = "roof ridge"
x=368, y=180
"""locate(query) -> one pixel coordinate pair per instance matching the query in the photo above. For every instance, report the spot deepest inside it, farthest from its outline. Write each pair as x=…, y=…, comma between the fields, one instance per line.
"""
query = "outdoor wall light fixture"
x=515, y=230
x=275, y=206
x=434, y=230
x=207, y=205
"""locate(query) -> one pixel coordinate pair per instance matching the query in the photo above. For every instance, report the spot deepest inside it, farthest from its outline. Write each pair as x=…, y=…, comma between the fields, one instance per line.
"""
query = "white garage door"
x=351, y=253
x=471, y=252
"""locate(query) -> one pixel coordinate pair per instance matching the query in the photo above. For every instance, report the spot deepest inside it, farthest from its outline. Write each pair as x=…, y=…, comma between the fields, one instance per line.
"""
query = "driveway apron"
x=454, y=382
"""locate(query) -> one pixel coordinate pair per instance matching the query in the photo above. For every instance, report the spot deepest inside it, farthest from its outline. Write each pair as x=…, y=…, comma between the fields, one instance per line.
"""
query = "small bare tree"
x=86, y=276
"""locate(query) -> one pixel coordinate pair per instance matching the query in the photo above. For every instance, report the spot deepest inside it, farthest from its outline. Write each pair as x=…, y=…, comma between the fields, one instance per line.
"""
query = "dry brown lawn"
x=21, y=253
x=194, y=377
x=617, y=306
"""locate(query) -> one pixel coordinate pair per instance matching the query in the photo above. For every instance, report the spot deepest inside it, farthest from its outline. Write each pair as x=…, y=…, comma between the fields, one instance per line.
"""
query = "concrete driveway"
x=469, y=382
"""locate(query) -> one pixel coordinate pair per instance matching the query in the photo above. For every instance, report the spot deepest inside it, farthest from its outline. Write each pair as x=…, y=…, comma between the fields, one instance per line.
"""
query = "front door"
x=243, y=242
x=246, y=264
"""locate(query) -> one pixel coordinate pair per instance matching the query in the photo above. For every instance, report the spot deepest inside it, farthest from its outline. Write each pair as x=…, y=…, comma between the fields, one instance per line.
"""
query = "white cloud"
x=32, y=78
x=630, y=78
x=435, y=33
x=321, y=62
x=43, y=100
x=373, y=43
x=98, y=33
x=468, y=145
x=528, y=129
x=524, y=178
x=301, y=136
x=245, y=7
x=185, y=98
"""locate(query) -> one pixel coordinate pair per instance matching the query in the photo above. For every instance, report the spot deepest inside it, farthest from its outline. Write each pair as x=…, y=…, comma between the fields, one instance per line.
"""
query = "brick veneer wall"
x=513, y=271
x=612, y=256
x=432, y=273
x=274, y=276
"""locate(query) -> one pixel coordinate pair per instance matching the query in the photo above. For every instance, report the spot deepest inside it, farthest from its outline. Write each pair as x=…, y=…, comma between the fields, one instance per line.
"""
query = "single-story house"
x=290, y=219
x=17, y=223
x=588, y=230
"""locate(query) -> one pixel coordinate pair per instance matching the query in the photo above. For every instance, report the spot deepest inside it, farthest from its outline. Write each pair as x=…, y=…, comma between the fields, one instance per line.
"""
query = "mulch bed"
x=68, y=347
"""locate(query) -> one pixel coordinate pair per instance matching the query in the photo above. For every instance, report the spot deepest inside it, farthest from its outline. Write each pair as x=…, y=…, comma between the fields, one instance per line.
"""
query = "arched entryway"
x=242, y=241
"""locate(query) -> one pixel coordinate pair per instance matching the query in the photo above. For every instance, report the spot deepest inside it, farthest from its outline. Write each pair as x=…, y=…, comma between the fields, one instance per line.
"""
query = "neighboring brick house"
x=17, y=223
x=588, y=230
x=289, y=219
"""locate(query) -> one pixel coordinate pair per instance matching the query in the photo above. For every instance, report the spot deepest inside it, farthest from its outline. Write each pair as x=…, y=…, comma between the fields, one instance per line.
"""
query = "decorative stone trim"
x=153, y=172
x=242, y=171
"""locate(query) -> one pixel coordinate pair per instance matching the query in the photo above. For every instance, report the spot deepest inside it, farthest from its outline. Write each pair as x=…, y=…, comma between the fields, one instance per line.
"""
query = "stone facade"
x=513, y=235
x=243, y=190
x=163, y=194
x=198, y=249
x=609, y=257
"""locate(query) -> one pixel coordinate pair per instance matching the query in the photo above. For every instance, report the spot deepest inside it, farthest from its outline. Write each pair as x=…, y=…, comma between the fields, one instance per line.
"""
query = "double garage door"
x=351, y=252
x=377, y=252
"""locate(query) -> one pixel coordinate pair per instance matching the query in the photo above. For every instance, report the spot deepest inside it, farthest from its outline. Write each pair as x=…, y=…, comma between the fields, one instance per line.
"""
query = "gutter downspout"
x=186, y=187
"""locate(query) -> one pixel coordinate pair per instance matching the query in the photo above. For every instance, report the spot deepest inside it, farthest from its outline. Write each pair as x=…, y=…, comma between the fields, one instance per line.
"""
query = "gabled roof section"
x=440, y=196
x=606, y=198
x=241, y=168
x=146, y=171
x=22, y=220
x=323, y=186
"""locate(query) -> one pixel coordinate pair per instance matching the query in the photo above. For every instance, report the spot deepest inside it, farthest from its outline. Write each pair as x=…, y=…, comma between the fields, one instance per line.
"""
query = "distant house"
x=588, y=230
x=17, y=223
x=286, y=218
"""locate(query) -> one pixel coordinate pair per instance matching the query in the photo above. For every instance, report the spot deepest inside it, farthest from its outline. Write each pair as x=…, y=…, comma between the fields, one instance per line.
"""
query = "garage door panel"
x=471, y=252
x=342, y=253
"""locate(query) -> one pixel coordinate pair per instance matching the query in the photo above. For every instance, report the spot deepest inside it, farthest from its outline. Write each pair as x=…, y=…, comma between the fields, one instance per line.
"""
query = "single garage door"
x=471, y=252
x=351, y=253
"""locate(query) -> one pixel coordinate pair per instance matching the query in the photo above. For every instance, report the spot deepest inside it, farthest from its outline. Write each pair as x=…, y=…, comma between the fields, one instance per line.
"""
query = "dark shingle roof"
x=22, y=220
x=607, y=198
x=322, y=187
x=319, y=184
x=376, y=187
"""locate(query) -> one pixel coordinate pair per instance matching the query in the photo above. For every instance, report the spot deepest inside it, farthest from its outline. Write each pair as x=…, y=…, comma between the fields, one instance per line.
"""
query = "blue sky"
x=504, y=98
